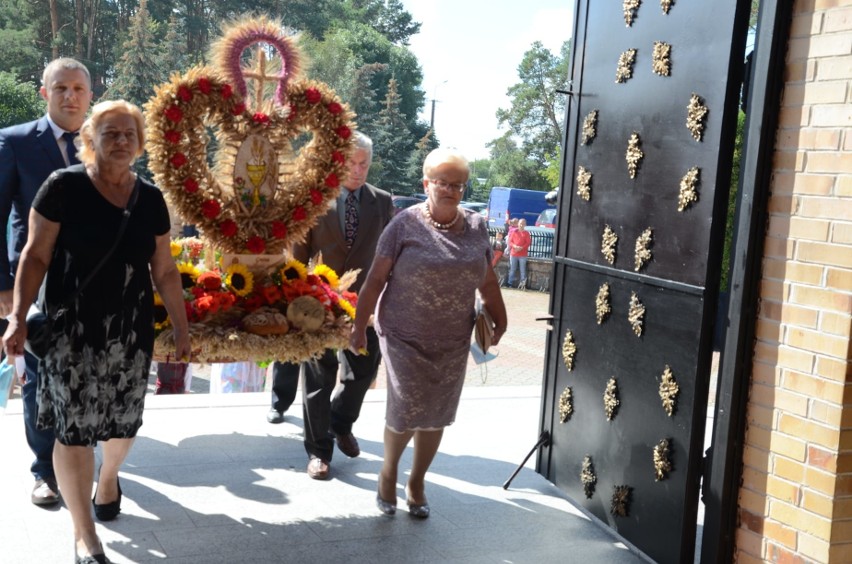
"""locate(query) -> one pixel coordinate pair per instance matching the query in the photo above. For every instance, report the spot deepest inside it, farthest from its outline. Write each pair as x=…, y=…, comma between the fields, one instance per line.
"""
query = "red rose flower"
x=338, y=157
x=316, y=197
x=172, y=136
x=210, y=280
x=197, y=292
x=178, y=160
x=256, y=245
x=343, y=131
x=227, y=91
x=312, y=95
x=174, y=114
x=184, y=94
x=238, y=109
x=332, y=181
x=204, y=85
x=279, y=230
x=334, y=108
x=253, y=302
x=211, y=209
x=260, y=117
x=292, y=115
x=299, y=213
x=228, y=228
x=271, y=294
x=190, y=185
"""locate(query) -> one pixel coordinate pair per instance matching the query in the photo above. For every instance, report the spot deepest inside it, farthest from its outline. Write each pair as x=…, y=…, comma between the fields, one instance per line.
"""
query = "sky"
x=470, y=51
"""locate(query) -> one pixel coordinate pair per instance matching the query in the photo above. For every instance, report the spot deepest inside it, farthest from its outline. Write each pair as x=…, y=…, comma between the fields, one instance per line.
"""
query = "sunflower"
x=239, y=280
x=188, y=274
x=175, y=248
x=328, y=275
x=161, y=316
x=347, y=308
x=293, y=270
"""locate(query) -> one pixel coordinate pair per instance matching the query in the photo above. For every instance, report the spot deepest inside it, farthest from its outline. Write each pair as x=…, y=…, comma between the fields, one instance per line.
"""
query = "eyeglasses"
x=444, y=185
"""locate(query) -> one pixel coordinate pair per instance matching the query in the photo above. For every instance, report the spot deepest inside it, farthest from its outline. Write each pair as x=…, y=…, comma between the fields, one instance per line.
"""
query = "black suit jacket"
x=375, y=212
x=28, y=154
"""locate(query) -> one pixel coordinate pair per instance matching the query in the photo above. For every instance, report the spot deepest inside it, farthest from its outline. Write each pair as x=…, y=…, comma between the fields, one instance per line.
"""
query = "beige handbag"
x=484, y=329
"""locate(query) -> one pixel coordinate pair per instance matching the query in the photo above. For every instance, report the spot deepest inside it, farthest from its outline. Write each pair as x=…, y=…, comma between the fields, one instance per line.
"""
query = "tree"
x=138, y=71
x=510, y=166
x=535, y=116
x=391, y=146
x=19, y=101
x=414, y=170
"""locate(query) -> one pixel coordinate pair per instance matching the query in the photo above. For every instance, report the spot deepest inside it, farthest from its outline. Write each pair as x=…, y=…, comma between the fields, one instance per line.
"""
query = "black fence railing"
x=541, y=246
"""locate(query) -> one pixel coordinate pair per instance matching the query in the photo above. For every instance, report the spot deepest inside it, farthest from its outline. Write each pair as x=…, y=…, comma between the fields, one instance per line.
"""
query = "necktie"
x=70, y=147
x=350, y=219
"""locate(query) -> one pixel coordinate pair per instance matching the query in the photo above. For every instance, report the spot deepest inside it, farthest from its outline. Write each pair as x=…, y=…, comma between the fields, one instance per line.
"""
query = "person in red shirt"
x=519, y=245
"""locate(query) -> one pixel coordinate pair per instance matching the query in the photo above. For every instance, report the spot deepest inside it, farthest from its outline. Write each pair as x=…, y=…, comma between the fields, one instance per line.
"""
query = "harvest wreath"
x=243, y=298
x=226, y=203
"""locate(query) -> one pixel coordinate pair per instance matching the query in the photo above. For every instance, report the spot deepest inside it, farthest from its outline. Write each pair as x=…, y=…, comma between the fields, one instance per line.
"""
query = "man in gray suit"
x=346, y=236
x=28, y=154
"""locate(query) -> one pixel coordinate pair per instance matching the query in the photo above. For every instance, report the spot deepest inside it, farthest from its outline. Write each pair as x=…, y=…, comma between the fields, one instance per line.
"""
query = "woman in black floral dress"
x=92, y=382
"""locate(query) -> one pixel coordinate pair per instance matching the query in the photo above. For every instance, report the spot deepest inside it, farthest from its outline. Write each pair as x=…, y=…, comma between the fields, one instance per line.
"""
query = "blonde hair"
x=444, y=156
x=64, y=63
x=90, y=126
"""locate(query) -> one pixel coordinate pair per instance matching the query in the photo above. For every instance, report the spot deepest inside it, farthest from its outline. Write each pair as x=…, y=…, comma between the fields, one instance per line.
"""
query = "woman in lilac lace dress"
x=430, y=261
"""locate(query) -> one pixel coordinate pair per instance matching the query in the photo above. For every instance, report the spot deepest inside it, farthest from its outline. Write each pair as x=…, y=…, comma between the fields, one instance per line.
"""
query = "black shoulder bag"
x=40, y=324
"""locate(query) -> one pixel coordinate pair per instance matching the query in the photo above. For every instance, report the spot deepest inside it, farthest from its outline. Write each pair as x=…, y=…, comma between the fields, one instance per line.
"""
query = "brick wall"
x=795, y=502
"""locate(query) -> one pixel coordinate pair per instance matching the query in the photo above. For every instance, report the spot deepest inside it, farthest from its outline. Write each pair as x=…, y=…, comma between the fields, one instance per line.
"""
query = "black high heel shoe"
x=107, y=511
x=99, y=558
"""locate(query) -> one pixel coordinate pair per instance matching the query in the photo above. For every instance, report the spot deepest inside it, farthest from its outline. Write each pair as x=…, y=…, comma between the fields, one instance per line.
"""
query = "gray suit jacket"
x=376, y=211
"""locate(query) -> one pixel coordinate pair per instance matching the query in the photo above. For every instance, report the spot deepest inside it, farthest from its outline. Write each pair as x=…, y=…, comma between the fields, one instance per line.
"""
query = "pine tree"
x=137, y=72
x=414, y=170
x=392, y=144
x=173, y=56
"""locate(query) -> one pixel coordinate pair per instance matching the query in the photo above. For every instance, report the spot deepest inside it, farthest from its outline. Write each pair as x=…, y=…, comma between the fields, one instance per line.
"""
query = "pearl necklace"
x=441, y=226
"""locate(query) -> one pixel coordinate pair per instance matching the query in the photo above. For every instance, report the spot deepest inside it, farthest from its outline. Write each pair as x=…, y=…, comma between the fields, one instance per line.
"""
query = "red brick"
x=822, y=458
x=781, y=555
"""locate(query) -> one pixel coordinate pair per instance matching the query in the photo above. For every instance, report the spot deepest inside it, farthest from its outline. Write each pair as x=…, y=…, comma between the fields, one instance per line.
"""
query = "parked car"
x=478, y=207
x=547, y=218
x=402, y=202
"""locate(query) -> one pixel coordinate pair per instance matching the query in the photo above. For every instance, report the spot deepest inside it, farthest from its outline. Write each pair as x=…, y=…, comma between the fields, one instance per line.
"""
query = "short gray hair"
x=363, y=142
x=66, y=63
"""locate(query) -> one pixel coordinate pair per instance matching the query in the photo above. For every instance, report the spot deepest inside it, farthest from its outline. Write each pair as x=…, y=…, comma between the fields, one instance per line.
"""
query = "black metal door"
x=636, y=269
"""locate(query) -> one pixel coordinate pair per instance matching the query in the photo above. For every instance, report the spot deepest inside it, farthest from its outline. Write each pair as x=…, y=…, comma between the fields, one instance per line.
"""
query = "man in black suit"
x=28, y=154
x=346, y=236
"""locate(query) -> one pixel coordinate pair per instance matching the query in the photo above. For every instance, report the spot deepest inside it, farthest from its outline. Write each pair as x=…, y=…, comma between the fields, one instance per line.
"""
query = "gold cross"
x=258, y=74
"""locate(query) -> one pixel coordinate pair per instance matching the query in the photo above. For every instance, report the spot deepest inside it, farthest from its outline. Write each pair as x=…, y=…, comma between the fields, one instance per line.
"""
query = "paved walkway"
x=210, y=481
